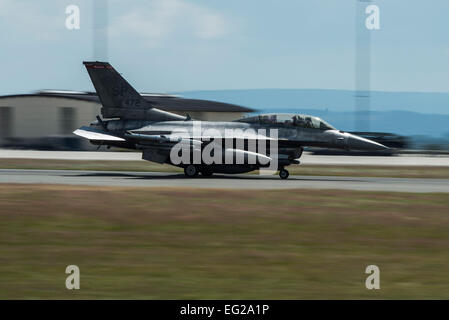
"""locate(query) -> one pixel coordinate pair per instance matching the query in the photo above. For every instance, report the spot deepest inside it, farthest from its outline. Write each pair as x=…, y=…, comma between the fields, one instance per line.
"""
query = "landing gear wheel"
x=283, y=174
x=191, y=171
x=206, y=173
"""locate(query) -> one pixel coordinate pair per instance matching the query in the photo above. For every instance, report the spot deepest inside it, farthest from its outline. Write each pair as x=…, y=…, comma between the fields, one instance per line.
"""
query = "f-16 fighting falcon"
x=262, y=141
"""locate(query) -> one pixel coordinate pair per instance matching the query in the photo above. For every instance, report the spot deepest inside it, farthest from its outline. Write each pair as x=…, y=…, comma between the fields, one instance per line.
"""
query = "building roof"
x=164, y=102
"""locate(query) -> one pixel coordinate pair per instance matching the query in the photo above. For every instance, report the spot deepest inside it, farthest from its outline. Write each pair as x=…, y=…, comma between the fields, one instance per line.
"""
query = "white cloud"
x=5, y=7
x=161, y=20
x=211, y=25
x=30, y=21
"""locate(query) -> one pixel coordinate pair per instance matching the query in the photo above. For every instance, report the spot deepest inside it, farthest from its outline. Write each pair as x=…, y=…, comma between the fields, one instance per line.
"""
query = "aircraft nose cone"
x=359, y=143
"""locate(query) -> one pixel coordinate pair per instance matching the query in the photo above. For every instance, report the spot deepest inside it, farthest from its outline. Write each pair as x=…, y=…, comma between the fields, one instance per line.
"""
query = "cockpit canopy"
x=287, y=119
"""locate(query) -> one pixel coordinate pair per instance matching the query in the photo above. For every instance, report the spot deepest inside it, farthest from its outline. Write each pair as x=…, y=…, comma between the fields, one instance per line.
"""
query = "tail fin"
x=119, y=98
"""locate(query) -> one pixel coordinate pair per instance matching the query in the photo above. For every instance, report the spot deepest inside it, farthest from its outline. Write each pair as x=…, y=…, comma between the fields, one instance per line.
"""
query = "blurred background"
x=140, y=230
x=389, y=83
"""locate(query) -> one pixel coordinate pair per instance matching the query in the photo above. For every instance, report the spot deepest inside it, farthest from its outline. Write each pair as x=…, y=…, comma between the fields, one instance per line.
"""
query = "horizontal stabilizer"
x=93, y=134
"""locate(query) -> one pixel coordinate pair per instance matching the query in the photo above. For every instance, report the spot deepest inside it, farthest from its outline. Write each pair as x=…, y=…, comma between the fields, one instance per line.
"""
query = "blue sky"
x=180, y=45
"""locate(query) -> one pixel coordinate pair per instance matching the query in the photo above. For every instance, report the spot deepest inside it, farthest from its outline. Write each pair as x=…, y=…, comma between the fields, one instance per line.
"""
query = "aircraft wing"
x=95, y=134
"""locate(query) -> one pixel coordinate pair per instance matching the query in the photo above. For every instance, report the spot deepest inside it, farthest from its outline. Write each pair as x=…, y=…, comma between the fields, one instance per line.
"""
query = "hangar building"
x=46, y=119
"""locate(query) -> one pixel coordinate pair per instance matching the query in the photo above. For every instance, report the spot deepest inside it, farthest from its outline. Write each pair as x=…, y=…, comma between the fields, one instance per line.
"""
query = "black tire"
x=283, y=174
x=191, y=171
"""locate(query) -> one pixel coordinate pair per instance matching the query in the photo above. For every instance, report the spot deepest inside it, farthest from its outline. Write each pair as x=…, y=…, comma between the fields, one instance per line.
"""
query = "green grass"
x=149, y=243
x=309, y=170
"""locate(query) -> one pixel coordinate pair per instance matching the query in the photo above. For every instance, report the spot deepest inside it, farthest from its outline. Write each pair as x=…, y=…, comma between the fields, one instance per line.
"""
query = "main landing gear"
x=283, y=173
x=191, y=171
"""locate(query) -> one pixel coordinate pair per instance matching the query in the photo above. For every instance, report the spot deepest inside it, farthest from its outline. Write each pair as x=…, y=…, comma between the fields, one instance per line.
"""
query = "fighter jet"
x=132, y=121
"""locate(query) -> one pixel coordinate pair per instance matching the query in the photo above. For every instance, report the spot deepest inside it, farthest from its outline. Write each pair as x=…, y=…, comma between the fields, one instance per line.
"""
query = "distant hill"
x=407, y=113
x=400, y=122
x=333, y=100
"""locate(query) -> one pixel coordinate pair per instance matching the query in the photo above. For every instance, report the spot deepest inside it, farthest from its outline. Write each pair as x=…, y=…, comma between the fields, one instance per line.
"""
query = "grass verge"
x=147, y=243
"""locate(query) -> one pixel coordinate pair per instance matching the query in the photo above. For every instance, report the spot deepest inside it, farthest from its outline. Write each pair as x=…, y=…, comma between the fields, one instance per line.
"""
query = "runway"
x=307, y=158
x=248, y=181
